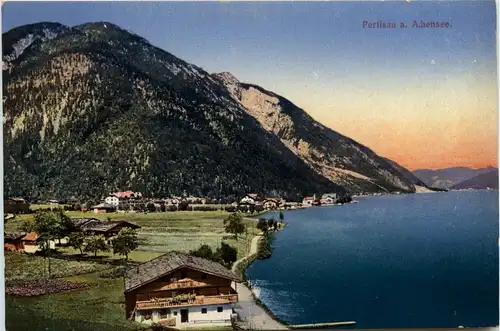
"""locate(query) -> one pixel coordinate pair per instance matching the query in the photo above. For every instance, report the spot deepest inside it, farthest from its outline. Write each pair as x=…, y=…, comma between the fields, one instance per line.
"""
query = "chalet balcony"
x=197, y=301
x=180, y=284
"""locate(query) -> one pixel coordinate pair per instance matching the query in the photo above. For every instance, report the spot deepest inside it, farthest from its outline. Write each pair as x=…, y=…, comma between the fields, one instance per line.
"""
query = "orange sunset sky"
x=419, y=124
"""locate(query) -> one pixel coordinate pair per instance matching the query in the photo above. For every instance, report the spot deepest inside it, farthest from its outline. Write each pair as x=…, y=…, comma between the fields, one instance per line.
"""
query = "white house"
x=112, y=200
x=308, y=201
x=251, y=199
x=329, y=198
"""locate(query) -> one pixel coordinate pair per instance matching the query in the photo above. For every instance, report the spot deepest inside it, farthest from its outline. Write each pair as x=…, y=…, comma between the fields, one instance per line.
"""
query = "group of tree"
x=344, y=199
x=55, y=225
x=122, y=244
x=225, y=254
x=50, y=226
x=268, y=225
x=248, y=209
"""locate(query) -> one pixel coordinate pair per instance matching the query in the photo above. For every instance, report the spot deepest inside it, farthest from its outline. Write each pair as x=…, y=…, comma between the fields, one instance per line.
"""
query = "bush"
x=171, y=208
x=184, y=205
x=203, y=251
x=227, y=253
x=230, y=209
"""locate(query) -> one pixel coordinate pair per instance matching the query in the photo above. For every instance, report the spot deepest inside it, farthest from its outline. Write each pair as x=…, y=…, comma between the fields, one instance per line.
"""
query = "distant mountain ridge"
x=481, y=181
x=448, y=177
x=93, y=108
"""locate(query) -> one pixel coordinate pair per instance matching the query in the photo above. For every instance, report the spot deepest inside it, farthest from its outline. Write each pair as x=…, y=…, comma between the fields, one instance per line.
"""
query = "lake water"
x=422, y=260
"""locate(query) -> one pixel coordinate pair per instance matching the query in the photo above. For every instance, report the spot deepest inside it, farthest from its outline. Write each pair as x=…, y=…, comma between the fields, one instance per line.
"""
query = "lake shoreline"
x=240, y=267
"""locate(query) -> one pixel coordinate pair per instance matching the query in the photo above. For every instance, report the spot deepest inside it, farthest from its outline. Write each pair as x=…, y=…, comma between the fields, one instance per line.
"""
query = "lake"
x=402, y=261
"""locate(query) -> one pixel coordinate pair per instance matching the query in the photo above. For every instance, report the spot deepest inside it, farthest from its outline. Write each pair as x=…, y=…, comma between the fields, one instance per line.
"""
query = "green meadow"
x=100, y=306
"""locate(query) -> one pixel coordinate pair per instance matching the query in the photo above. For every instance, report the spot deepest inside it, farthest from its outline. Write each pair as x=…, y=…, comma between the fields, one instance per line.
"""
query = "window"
x=219, y=309
x=203, y=310
x=175, y=313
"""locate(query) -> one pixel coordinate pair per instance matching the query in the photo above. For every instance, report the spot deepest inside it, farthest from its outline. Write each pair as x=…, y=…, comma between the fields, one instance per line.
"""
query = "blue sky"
x=299, y=36
x=318, y=55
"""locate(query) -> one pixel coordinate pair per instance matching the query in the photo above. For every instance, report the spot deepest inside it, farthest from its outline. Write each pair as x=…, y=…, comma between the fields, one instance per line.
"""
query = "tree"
x=271, y=223
x=151, y=207
x=125, y=242
x=183, y=205
x=76, y=240
x=49, y=225
x=234, y=224
x=226, y=254
x=262, y=225
x=96, y=244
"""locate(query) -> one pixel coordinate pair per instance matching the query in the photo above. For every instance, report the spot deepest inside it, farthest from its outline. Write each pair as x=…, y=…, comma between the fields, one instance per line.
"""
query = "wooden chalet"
x=16, y=206
x=177, y=289
x=272, y=203
x=104, y=208
x=106, y=228
x=13, y=241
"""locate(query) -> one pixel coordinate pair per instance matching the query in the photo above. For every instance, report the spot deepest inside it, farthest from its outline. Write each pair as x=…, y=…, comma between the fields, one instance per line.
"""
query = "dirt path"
x=253, y=317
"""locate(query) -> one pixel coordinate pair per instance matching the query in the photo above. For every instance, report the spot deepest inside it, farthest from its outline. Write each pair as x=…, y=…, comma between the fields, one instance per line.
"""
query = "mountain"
x=481, y=181
x=332, y=155
x=446, y=178
x=94, y=108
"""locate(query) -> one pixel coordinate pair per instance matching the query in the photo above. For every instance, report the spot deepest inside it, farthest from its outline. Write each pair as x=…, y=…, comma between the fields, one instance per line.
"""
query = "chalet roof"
x=253, y=195
x=32, y=236
x=78, y=222
x=309, y=198
x=13, y=235
x=17, y=199
x=103, y=226
x=331, y=195
x=126, y=194
x=103, y=206
x=151, y=270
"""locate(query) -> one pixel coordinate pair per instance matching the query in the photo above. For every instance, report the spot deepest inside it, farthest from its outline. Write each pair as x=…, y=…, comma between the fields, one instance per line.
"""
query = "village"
x=181, y=260
x=129, y=201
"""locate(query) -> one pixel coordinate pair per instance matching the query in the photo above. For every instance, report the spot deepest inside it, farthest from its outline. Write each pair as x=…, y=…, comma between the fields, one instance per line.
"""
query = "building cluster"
x=117, y=201
x=31, y=242
x=323, y=200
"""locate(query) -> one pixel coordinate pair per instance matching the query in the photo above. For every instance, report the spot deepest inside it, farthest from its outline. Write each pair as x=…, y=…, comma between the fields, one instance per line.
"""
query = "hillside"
x=446, y=178
x=94, y=108
x=481, y=181
x=334, y=156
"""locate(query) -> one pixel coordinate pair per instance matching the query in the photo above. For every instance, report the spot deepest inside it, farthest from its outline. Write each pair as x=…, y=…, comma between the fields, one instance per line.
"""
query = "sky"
x=423, y=97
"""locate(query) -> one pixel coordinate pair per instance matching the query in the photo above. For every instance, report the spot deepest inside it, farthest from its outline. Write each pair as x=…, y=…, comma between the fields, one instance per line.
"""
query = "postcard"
x=239, y=165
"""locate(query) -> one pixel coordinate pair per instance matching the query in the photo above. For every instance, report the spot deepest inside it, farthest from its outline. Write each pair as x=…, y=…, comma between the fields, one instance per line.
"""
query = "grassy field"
x=163, y=232
x=101, y=306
